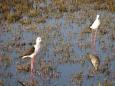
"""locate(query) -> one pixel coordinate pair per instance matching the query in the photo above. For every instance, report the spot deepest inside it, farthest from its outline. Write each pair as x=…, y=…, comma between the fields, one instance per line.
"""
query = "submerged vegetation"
x=63, y=26
x=77, y=79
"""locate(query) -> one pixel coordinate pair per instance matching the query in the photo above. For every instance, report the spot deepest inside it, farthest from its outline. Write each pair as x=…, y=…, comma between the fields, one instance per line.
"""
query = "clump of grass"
x=65, y=52
x=41, y=19
x=10, y=18
x=77, y=78
x=105, y=68
x=60, y=5
x=48, y=69
x=6, y=61
x=113, y=37
x=1, y=83
x=65, y=6
x=18, y=6
x=28, y=83
x=33, y=26
x=13, y=17
x=23, y=67
x=107, y=83
x=33, y=12
x=99, y=4
x=25, y=21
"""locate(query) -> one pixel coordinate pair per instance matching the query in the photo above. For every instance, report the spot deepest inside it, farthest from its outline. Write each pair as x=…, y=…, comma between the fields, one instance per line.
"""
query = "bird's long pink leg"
x=95, y=35
x=0, y=59
x=32, y=66
x=94, y=41
x=92, y=38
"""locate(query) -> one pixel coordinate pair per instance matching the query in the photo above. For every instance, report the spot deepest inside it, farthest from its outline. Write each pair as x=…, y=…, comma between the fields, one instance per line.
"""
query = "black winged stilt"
x=33, y=52
x=94, y=28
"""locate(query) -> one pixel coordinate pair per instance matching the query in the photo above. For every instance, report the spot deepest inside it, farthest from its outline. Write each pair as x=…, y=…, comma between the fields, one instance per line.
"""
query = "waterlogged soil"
x=66, y=39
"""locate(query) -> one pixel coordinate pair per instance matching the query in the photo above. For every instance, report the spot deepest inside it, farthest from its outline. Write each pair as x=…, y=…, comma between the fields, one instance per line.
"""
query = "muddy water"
x=63, y=34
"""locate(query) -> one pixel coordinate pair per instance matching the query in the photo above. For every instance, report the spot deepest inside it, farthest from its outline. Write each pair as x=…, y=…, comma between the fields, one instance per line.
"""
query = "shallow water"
x=62, y=32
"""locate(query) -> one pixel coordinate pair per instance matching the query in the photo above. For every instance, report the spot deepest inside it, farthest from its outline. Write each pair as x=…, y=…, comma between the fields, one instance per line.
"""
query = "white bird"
x=33, y=52
x=94, y=28
x=96, y=23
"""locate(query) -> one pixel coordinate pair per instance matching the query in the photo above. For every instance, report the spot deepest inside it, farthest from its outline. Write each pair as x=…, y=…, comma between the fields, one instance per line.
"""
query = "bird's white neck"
x=37, y=45
x=97, y=17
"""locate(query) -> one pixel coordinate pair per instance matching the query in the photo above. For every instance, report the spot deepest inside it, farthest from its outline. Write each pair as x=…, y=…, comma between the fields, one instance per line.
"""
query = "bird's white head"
x=97, y=16
x=38, y=40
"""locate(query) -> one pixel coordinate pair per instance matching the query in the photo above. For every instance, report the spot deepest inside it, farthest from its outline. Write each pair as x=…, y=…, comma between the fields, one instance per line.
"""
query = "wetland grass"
x=77, y=12
x=6, y=60
x=77, y=79
x=23, y=67
x=48, y=70
x=1, y=83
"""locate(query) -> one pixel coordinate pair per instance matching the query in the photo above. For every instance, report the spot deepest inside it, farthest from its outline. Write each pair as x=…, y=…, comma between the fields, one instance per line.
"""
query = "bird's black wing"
x=29, y=51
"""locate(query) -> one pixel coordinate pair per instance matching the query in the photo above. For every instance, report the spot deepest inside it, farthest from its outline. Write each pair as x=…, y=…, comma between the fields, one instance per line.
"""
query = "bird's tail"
x=91, y=27
x=25, y=57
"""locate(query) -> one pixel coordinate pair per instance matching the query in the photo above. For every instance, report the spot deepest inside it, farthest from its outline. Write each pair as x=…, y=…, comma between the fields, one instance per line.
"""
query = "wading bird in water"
x=94, y=28
x=33, y=52
x=94, y=60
